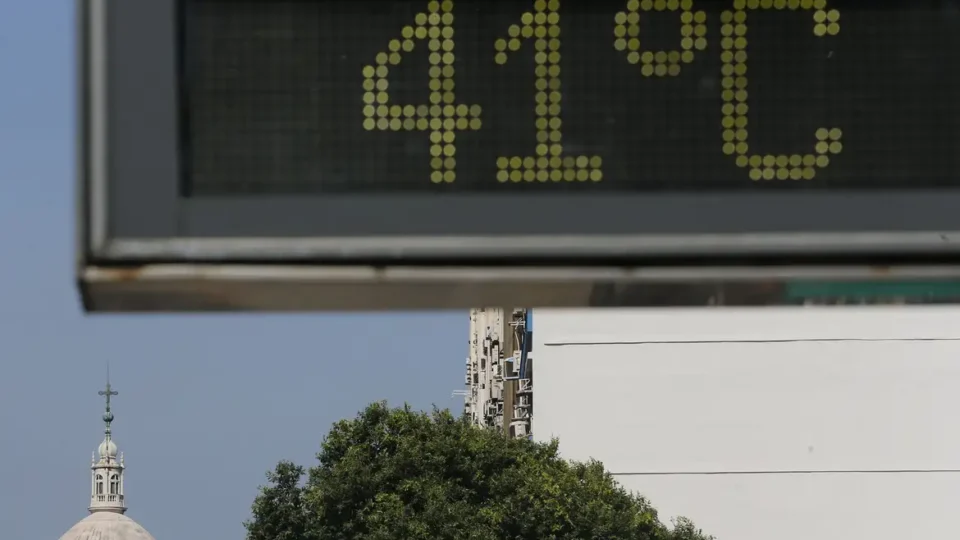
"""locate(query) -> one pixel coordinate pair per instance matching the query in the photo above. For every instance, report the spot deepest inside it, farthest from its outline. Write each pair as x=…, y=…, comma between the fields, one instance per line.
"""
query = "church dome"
x=107, y=498
x=107, y=526
x=108, y=449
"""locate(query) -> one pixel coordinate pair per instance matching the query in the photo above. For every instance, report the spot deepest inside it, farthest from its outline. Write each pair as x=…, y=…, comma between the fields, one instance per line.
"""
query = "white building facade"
x=764, y=424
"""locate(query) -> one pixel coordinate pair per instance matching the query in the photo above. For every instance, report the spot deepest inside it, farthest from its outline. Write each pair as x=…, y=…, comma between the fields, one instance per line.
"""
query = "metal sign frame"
x=143, y=248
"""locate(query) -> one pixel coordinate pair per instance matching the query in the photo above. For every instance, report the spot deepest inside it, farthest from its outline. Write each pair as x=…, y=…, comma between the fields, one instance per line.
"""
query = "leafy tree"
x=398, y=474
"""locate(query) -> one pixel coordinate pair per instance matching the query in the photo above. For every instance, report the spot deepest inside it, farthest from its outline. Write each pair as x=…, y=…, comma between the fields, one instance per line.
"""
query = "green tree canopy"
x=399, y=474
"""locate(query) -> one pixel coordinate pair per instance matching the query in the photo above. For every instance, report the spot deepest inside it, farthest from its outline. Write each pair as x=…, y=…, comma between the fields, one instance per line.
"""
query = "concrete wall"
x=772, y=424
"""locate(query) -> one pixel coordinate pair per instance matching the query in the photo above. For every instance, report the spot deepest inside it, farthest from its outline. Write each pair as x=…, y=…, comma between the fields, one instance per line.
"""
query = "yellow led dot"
x=449, y=176
x=819, y=4
x=819, y=29
x=529, y=175
x=819, y=16
x=673, y=70
x=436, y=177
x=686, y=56
x=423, y=124
x=769, y=174
x=742, y=161
x=783, y=174
x=726, y=16
x=583, y=175
x=833, y=29
x=729, y=149
x=822, y=134
x=646, y=70
x=382, y=58
x=822, y=147
x=450, y=163
x=516, y=176
x=543, y=175
x=782, y=161
x=836, y=147
x=436, y=163
x=500, y=45
x=369, y=124
x=796, y=174
x=434, y=19
x=756, y=161
x=809, y=173
x=793, y=4
x=833, y=15
x=420, y=32
x=503, y=176
x=660, y=70
x=796, y=160
x=409, y=124
x=620, y=44
x=823, y=161
x=756, y=174
x=383, y=124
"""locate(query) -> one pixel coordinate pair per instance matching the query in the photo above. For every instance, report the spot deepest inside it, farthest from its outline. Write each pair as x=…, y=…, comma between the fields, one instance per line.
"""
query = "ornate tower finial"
x=108, y=415
x=107, y=491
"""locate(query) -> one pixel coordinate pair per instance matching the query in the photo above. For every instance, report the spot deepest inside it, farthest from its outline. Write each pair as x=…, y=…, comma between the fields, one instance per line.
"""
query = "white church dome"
x=107, y=500
x=107, y=526
x=108, y=449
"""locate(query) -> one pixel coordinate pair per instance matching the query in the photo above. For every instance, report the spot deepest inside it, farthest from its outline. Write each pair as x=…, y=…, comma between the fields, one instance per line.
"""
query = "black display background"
x=272, y=96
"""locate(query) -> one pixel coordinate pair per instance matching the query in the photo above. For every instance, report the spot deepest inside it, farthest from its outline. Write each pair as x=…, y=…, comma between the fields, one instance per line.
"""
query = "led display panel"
x=572, y=96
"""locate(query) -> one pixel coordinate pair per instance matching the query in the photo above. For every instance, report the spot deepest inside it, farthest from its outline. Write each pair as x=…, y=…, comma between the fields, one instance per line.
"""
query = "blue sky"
x=207, y=403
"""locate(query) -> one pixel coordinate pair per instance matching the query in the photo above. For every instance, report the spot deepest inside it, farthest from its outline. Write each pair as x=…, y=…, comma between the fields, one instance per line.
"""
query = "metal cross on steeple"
x=108, y=392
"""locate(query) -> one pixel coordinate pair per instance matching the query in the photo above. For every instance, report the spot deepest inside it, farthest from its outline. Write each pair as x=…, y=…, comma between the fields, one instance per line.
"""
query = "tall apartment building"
x=499, y=375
